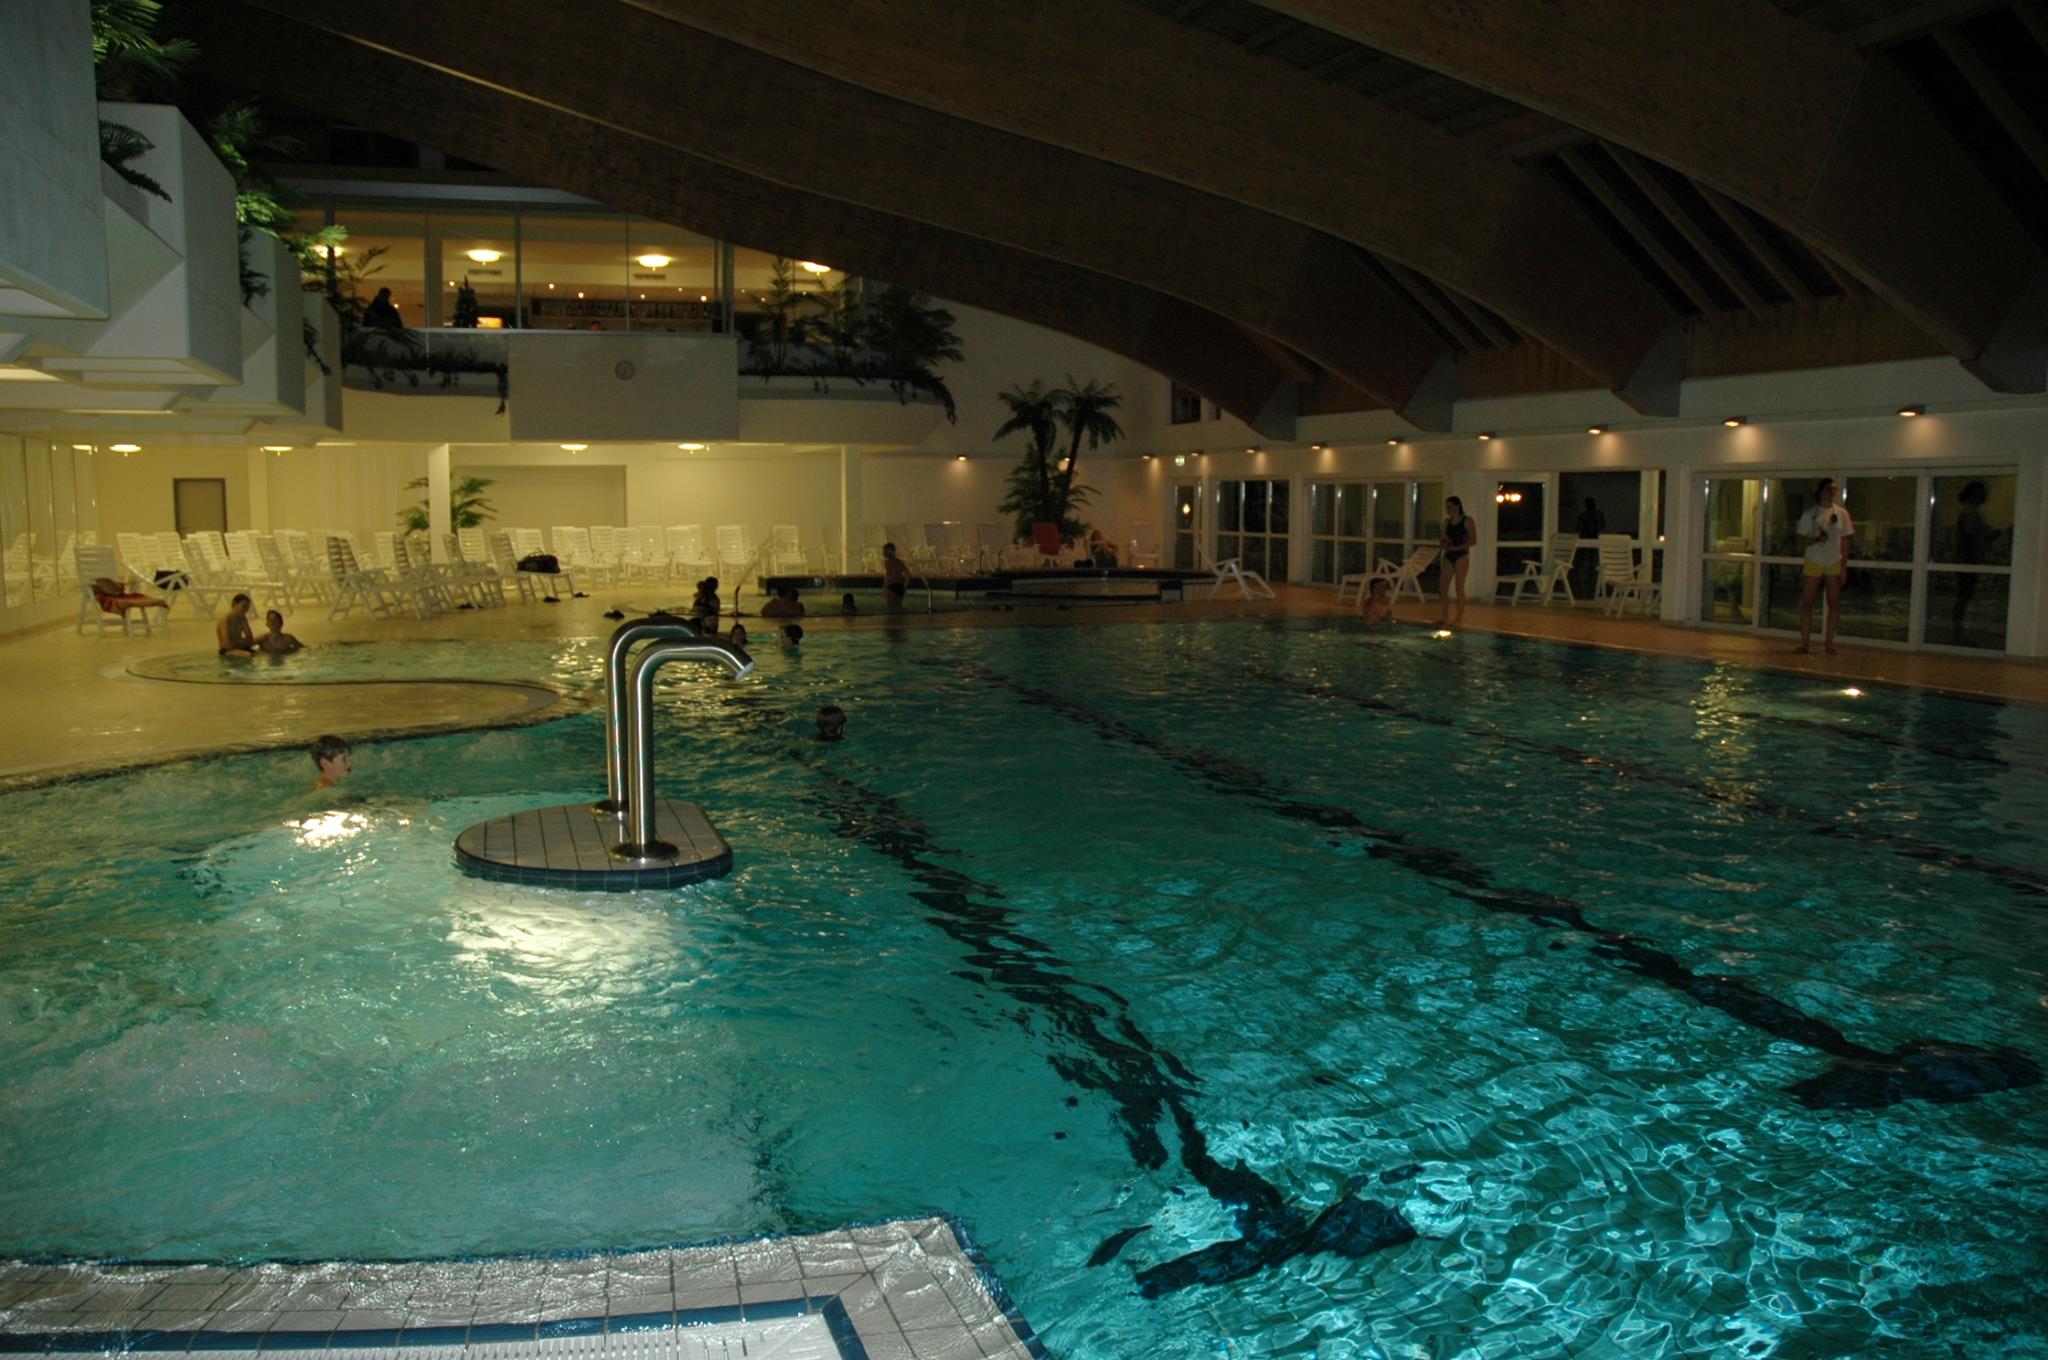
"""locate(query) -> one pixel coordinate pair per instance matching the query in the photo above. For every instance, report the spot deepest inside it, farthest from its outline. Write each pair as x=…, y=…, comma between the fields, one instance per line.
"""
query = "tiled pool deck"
x=908, y=1289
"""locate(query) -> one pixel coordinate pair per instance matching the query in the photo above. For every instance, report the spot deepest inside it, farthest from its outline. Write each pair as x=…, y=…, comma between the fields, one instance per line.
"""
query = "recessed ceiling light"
x=690, y=448
x=485, y=255
x=575, y=448
x=1319, y=447
x=960, y=458
x=277, y=448
x=1732, y=421
x=125, y=448
x=1910, y=411
x=651, y=260
x=1485, y=435
x=1393, y=443
x=813, y=267
x=81, y=448
x=1596, y=429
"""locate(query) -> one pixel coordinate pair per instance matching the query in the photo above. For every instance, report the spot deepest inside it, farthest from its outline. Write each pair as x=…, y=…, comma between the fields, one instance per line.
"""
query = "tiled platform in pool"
x=902, y=1290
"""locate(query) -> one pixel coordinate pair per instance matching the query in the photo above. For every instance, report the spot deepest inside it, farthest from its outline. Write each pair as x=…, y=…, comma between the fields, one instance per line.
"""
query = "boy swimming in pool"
x=1376, y=608
x=334, y=760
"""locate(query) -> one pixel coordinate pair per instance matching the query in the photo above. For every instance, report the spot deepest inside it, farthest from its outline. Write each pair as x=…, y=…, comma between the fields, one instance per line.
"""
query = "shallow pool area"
x=1244, y=988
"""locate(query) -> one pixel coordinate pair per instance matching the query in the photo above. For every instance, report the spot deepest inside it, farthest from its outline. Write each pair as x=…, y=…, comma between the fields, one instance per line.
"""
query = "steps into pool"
x=907, y=1287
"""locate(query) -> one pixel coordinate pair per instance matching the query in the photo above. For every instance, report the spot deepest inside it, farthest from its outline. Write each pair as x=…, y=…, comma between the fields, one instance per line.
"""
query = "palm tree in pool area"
x=1083, y=411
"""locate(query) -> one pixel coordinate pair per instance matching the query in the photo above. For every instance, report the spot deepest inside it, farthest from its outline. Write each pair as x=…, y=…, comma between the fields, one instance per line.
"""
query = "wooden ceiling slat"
x=1638, y=171
x=1996, y=97
x=2035, y=16
x=1631, y=222
x=1752, y=241
x=1478, y=318
x=1270, y=34
x=1426, y=297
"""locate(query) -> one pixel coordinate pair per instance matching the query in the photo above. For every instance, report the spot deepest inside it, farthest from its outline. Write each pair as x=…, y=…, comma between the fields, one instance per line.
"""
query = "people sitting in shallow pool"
x=334, y=759
x=792, y=634
x=233, y=633
x=1376, y=608
x=895, y=576
x=847, y=608
x=785, y=605
x=704, y=609
x=276, y=639
x=831, y=723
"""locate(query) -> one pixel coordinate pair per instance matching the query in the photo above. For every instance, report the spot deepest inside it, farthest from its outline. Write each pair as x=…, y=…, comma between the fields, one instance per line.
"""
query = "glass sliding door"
x=1969, y=576
x=1187, y=526
x=1252, y=524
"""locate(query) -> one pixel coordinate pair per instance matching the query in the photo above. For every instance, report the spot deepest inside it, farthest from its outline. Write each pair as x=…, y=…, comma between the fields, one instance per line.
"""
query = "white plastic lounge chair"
x=687, y=559
x=1544, y=579
x=1404, y=575
x=1144, y=546
x=736, y=557
x=526, y=543
x=94, y=563
x=1231, y=572
x=786, y=555
x=353, y=584
x=497, y=552
x=1622, y=582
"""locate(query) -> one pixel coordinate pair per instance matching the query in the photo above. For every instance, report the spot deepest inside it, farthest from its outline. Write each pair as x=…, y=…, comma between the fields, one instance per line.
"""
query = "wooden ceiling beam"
x=1632, y=222
x=1427, y=298
x=1993, y=94
x=261, y=52
x=2034, y=16
x=1753, y=241
x=1644, y=179
x=1193, y=109
x=623, y=67
x=1488, y=329
x=1829, y=142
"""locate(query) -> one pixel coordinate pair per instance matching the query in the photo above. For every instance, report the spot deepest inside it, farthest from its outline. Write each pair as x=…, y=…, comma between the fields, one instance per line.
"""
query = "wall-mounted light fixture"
x=1180, y=460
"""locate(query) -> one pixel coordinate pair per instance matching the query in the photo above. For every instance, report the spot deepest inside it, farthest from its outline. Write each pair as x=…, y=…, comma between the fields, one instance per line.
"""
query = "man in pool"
x=276, y=639
x=1376, y=608
x=792, y=634
x=785, y=605
x=334, y=759
x=233, y=634
x=895, y=577
x=831, y=723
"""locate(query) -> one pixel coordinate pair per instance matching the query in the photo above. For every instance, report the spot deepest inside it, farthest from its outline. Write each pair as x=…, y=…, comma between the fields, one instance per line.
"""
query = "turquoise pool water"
x=1247, y=990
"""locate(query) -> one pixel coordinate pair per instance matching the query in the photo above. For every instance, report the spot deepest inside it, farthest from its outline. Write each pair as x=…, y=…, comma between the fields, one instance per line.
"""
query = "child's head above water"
x=831, y=723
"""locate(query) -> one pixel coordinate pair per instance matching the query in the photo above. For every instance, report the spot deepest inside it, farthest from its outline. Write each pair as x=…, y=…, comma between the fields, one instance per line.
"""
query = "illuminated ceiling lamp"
x=125, y=449
x=1393, y=443
x=485, y=255
x=653, y=259
x=81, y=448
x=1506, y=495
x=693, y=448
x=279, y=449
x=1733, y=422
x=1596, y=429
x=1910, y=411
x=574, y=448
x=813, y=267
x=1485, y=436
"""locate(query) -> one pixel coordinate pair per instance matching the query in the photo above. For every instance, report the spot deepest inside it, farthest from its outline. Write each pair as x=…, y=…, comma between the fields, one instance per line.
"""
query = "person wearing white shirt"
x=1824, y=532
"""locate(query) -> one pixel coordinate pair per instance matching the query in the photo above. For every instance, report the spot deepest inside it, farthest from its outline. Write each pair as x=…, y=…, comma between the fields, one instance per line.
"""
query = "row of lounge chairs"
x=1621, y=581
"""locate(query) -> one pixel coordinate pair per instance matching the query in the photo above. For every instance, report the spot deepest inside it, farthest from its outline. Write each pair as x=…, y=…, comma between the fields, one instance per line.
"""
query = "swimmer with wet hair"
x=831, y=723
x=792, y=634
x=334, y=759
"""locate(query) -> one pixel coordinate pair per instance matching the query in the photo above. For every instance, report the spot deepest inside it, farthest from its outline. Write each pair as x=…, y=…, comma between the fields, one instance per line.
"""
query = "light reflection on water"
x=277, y=1026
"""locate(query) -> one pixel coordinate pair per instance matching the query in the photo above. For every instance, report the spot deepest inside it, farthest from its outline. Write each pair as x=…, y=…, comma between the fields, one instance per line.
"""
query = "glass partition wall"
x=1355, y=525
x=1930, y=563
x=47, y=508
x=530, y=267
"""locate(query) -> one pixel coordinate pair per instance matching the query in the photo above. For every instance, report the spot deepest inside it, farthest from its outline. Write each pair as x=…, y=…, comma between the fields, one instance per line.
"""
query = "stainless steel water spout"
x=638, y=842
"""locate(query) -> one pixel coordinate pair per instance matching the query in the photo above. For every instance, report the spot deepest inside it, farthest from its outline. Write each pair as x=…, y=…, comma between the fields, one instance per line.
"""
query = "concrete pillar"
x=2026, y=623
x=1684, y=523
x=851, y=513
x=437, y=499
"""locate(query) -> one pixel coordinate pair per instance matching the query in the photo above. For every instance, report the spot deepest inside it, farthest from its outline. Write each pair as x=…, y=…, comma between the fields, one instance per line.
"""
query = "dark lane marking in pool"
x=1144, y=1081
x=1911, y=847
x=1861, y=1078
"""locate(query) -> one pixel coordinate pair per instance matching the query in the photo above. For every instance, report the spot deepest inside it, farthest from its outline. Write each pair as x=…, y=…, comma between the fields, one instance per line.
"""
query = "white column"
x=851, y=514
x=1684, y=522
x=2026, y=624
x=437, y=499
x=259, y=490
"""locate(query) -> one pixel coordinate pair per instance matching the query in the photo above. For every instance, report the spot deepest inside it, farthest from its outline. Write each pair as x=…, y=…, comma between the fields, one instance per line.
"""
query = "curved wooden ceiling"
x=1361, y=189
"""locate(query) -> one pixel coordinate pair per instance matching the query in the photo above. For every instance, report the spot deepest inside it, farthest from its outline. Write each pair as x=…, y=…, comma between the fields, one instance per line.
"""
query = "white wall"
x=537, y=497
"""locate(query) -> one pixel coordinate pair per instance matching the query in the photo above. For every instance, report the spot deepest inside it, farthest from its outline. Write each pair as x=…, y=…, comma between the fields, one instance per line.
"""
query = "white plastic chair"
x=1144, y=546
x=1231, y=572
x=735, y=555
x=1400, y=576
x=93, y=563
x=686, y=556
x=1621, y=580
x=785, y=551
x=1545, y=578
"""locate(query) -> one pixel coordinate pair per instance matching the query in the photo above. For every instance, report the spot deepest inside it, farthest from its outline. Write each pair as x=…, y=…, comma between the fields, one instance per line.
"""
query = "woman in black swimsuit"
x=1460, y=536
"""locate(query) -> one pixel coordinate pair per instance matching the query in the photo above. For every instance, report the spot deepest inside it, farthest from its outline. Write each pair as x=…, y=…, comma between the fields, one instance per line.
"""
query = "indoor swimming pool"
x=1244, y=989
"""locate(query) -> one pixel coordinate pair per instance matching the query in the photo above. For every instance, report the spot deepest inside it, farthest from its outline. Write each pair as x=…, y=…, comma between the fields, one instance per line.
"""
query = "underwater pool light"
x=1441, y=633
